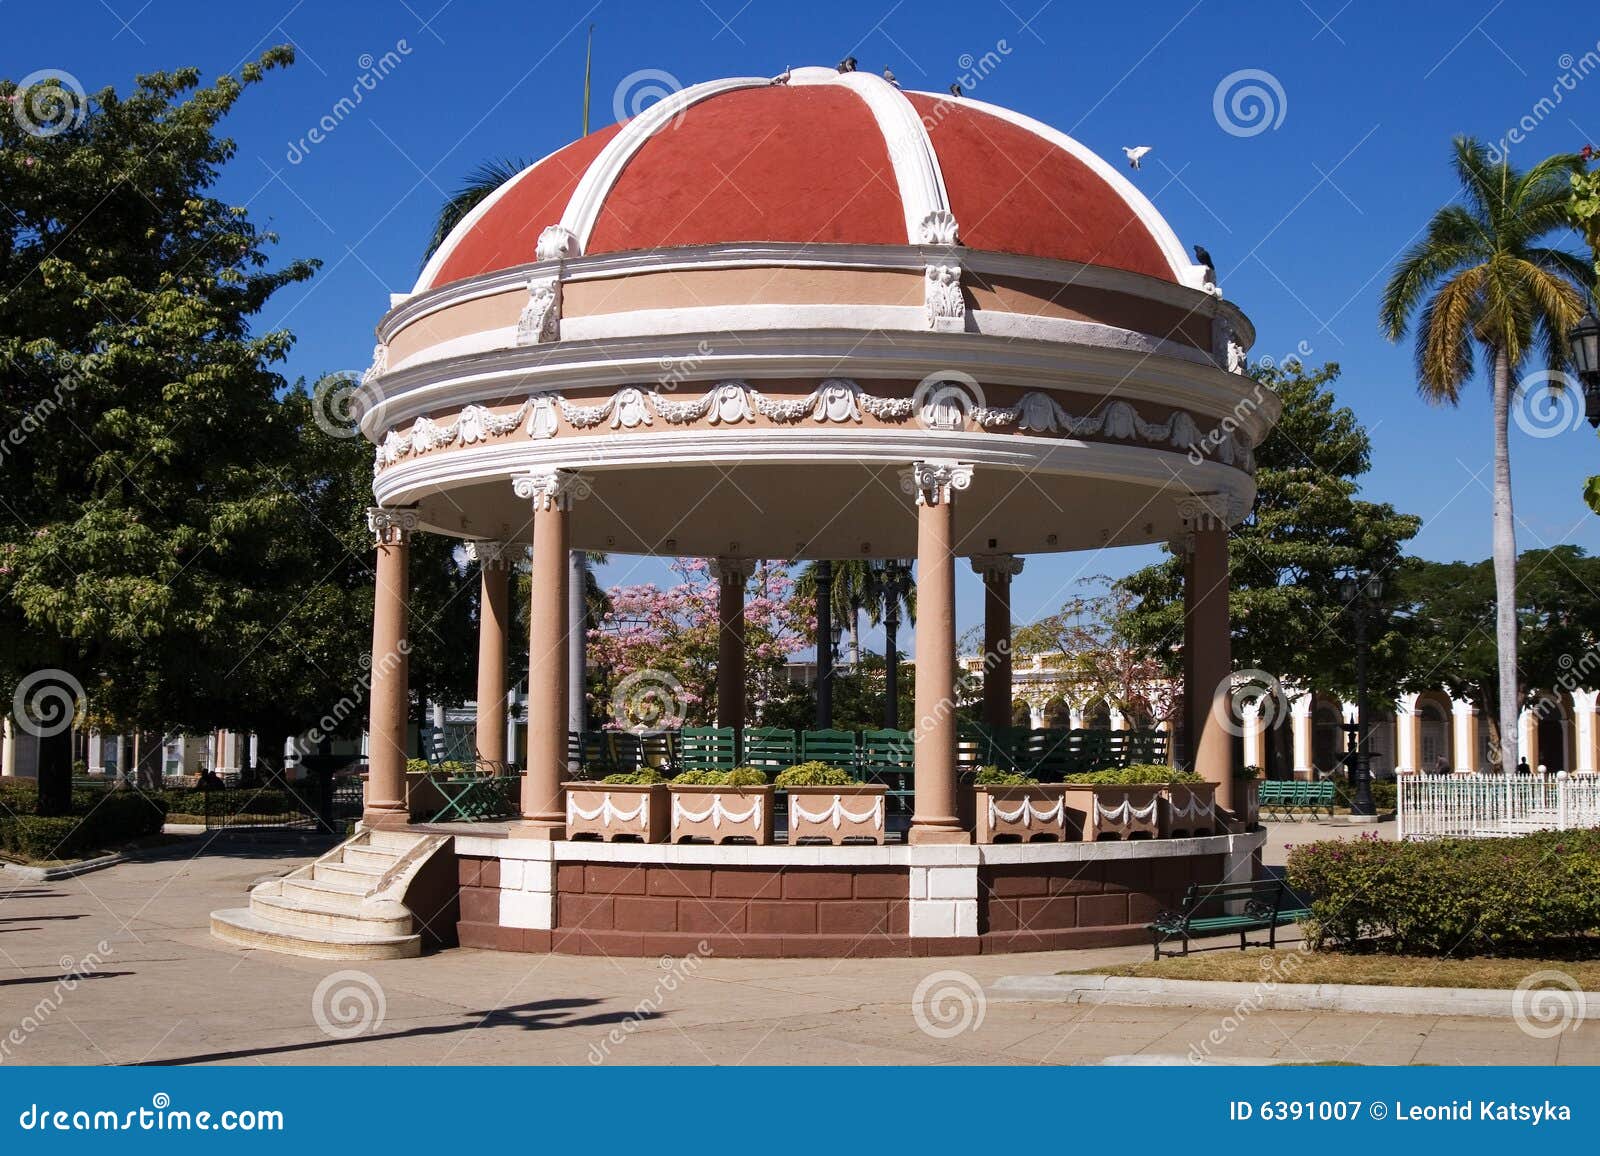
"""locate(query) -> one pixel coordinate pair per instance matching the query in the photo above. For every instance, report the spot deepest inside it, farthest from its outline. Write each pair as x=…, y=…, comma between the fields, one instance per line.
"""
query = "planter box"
x=1190, y=809
x=1106, y=811
x=721, y=814
x=1247, y=794
x=836, y=814
x=1035, y=813
x=617, y=813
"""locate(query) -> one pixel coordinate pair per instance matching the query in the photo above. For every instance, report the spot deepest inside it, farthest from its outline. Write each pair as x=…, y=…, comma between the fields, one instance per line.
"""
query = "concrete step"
x=356, y=855
x=398, y=842
x=347, y=896
x=277, y=908
x=243, y=927
x=364, y=877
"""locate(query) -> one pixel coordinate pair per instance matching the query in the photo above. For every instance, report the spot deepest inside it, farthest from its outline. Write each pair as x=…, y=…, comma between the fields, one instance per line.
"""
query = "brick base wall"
x=779, y=911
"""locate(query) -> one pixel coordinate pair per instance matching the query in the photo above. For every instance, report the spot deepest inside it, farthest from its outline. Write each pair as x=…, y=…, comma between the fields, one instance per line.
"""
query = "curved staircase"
x=349, y=904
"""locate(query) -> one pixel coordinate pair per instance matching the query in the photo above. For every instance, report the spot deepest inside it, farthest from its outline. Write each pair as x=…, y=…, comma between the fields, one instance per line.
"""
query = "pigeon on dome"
x=783, y=77
x=1135, y=154
x=1204, y=257
x=848, y=64
x=955, y=90
x=888, y=74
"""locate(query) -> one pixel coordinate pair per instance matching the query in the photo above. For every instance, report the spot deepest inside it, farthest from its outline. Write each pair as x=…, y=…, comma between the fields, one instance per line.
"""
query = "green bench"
x=1265, y=904
x=1294, y=799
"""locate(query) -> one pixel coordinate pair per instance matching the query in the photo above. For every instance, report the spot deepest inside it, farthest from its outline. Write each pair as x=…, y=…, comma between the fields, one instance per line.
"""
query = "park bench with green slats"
x=658, y=749
x=1292, y=798
x=708, y=748
x=886, y=758
x=772, y=749
x=835, y=747
x=1048, y=755
x=1091, y=750
x=1265, y=905
x=593, y=751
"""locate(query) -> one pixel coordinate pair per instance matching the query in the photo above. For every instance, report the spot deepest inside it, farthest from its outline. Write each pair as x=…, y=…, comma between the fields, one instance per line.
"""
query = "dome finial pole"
x=588, y=58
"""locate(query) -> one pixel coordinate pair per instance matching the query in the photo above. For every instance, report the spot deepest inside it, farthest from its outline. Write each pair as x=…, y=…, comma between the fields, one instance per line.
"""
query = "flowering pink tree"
x=654, y=653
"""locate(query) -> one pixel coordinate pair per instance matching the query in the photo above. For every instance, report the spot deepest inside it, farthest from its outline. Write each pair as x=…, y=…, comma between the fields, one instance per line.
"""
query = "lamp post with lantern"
x=1360, y=590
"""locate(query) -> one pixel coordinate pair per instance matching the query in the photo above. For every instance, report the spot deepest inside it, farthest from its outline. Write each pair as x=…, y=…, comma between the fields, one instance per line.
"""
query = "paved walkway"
x=166, y=992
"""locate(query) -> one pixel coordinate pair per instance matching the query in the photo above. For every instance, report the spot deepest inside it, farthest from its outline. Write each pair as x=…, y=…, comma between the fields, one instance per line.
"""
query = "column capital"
x=391, y=527
x=1202, y=512
x=551, y=489
x=997, y=565
x=491, y=554
x=734, y=570
x=935, y=481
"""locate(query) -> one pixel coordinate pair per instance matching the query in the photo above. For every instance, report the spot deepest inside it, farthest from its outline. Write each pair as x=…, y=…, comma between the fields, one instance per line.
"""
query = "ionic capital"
x=997, y=565
x=735, y=571
x=491, y=555
x=391, y=527
x=936, y=481
x=551, y=489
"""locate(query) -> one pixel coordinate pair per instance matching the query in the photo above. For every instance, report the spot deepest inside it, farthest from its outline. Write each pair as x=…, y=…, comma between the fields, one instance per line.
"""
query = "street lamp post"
x=825, y=644
x=1359, y=590
x=1583, y=341
x=889, y=583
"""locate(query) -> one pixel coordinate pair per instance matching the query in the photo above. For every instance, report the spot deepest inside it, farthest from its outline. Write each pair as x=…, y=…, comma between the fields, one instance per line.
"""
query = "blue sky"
x=1304, y=219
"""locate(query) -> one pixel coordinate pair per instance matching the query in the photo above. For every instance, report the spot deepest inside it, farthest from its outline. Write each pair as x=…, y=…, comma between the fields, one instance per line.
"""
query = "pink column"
x=385, y=803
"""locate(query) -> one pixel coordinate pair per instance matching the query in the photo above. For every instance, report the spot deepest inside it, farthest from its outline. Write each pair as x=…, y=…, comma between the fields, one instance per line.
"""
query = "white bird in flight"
x=1135, y=155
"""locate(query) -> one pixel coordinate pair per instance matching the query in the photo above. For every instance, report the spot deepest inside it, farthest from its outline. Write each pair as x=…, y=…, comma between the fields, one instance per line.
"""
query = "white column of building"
x=1255, y=736
x=1464, y=734
x=1119, y=721
x=8, y=750
x=1075, y=716
x=1528, y=736
x=97, y=753
x=1583, y=738
x=1300, y=721
x=1406, y=734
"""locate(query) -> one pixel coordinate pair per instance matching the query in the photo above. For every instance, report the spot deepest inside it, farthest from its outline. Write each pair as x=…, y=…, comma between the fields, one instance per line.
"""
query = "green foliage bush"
x=448, y=767
x=649, y=776
x=1451, y=896
x=1247, y=773
x=1137, y=775
x=738, y=777
x=995, y=777
x=815, y=774
x=239, y=801
x=113, y=818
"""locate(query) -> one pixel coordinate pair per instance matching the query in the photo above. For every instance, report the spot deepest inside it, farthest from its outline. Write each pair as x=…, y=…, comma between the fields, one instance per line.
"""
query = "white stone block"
x=528, y=909
x=511, y=874
x=934, y=918
x=952, y=882
x=917, y=888
x=537, y=877
x=967, y=918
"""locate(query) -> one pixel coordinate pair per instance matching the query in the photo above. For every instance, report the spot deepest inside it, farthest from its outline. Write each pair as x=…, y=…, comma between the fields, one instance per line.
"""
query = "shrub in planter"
x=1118, y=802
x=722, y=806
x=628, y=806
x=826, y=804
x=1529, y=894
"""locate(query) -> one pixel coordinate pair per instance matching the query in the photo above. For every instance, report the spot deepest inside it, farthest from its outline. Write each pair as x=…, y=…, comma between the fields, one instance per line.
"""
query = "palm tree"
x=480, y=182
x=850, y=596
x=1482, y=277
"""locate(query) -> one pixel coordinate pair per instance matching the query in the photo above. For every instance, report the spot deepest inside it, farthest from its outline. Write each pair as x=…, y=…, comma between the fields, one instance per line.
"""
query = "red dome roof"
x=825, y=158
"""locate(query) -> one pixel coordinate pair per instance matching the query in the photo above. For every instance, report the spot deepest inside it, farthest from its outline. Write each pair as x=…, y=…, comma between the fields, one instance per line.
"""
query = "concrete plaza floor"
x=163, y=991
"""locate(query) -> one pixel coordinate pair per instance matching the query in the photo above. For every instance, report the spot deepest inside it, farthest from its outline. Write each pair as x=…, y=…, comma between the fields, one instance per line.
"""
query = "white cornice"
x=431, y=387
x=778, y=254
x=413, y=479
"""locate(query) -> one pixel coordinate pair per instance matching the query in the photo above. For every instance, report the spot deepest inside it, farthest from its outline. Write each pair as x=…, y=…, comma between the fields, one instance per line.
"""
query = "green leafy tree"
x=1448, y=627
x=140, y=403
x=1483, y=280
x=1306, y=526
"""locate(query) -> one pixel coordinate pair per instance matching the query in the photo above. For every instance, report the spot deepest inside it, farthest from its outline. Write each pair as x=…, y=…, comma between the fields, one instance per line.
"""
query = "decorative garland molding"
x=836, y=400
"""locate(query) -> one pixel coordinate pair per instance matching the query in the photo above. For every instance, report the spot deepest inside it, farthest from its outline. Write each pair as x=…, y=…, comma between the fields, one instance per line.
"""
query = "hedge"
x=112, y=819
x=1451, y=896
x=1137, y=774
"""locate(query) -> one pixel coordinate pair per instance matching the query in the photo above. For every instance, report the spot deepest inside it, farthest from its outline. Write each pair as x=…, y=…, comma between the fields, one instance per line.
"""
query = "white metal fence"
x=1490, y=806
